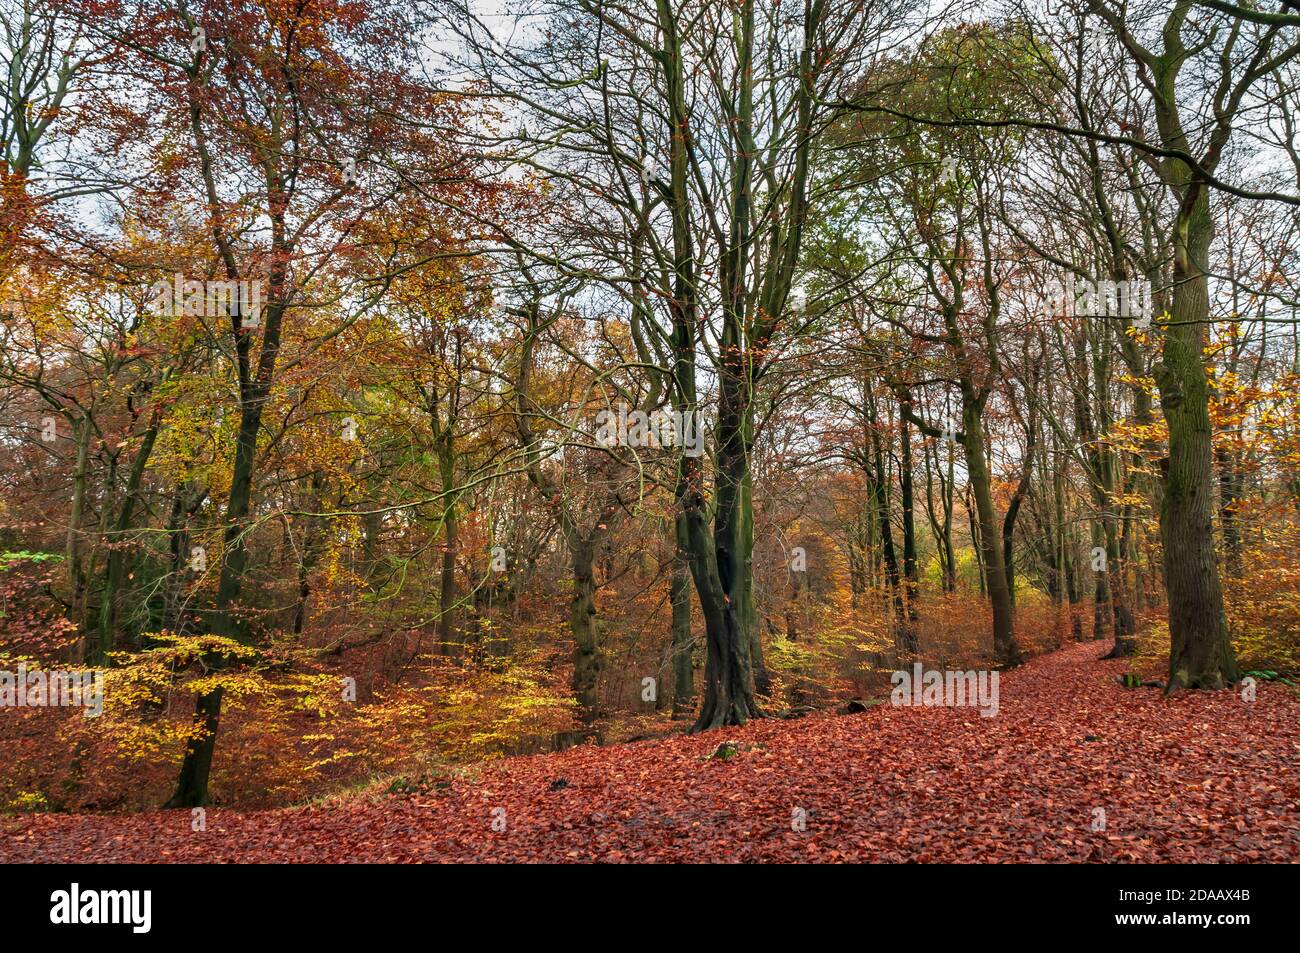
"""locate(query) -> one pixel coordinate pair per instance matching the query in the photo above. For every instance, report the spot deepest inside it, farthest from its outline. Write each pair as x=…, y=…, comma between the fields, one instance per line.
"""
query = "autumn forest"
x=627, y=430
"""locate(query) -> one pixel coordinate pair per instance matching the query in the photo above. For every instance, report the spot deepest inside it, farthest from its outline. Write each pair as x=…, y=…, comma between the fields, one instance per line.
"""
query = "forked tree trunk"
x=720, y=579
x=1005, y=648
x=904, y=635
x=117, y=556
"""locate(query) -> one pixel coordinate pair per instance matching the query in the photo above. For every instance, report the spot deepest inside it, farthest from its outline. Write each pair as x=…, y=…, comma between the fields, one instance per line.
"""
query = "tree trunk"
x=1101, y=585
x=117, y=554
x=192, y=786
x=582, y=624
x=946, y=489
x=721, y=579
x=905, y=637
x=1230, y=491
x=1005, y=648
x=313, y=540
x=447, y=587
x=76, y=570
x=748, y=612
x=911, y=579
x=680, y=594
x=1201, y=654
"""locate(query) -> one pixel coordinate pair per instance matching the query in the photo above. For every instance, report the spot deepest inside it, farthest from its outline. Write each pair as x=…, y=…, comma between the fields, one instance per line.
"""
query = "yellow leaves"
x=27, y=802
x=338, y=757
x=1144, y=338
x=1145, y=440
x=1146, y=384
x=236, y=686
x=320, y=694
x=180, y=650
x=1136, y=500
x=286, y=728
x=1264, y=616
x=1255, y=422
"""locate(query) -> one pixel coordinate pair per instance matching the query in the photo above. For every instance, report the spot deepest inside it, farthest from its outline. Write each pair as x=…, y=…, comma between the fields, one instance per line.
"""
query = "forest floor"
x=1196, y=777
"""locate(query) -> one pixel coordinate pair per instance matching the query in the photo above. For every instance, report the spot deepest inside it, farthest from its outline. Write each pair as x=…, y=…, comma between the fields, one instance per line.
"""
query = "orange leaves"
x=1198, y=777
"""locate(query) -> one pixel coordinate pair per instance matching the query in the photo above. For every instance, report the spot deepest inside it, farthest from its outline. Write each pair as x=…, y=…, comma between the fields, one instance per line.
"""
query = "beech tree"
x=697, y=126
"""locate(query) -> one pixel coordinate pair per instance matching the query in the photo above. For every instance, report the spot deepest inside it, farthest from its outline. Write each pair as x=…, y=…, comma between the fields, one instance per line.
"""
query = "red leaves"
x=1198, y=777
